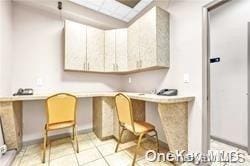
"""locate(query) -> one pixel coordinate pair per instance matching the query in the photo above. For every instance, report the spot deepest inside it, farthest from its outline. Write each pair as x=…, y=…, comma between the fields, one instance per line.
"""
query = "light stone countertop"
x=139, y=96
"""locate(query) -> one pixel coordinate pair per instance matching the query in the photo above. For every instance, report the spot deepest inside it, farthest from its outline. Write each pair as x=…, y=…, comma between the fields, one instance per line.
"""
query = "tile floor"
x=94, y=152
x=215, y=145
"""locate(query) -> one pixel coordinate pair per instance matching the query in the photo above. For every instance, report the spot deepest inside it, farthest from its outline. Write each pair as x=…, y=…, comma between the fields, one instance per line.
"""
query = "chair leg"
x=75, y=136
x=44, y=145
x=137, y=148
x=120, y=138
x=157, y=141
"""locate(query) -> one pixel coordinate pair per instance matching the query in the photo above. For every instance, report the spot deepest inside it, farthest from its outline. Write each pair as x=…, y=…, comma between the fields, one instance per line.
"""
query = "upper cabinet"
x=143, y=45
x=148, y=41
x=75, y=46
x=95, y=49
x=116, y=50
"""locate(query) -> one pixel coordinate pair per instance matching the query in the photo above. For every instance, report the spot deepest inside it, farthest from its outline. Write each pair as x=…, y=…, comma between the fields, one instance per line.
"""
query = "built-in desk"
x=173, y=113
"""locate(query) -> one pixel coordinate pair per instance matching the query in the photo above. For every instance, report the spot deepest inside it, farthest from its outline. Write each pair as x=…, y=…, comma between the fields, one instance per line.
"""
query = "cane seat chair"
x=126, y=122
x=60, y=113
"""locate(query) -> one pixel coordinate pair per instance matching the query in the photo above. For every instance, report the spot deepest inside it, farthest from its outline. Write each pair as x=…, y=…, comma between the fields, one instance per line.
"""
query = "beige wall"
x=38, y=53
x=5, y=46
x=39, y=43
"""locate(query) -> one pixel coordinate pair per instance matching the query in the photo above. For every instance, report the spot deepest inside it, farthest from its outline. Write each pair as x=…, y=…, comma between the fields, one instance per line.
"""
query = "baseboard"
x=58, y=136
x=229, y=143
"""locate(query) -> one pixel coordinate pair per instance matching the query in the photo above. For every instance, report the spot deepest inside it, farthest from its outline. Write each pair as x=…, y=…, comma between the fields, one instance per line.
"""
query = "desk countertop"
x=139, y=96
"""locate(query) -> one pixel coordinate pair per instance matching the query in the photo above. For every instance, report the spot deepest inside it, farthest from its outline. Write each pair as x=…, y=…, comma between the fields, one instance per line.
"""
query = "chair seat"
x=140, y=127
x=60, y=125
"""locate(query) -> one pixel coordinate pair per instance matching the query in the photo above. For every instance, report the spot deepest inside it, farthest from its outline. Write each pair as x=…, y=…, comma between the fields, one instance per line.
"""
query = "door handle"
x=215, y=60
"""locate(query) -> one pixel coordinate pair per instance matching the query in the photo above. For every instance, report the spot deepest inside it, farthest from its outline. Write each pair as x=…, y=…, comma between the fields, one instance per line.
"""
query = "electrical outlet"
x=39, y=82
x=130, y=80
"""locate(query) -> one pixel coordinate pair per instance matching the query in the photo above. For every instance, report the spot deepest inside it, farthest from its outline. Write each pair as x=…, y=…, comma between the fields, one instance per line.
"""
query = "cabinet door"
x=95, y=49
x=148, y=39
x=75, y=46
x=109, y=50
x=133, y=46
x=121, y=50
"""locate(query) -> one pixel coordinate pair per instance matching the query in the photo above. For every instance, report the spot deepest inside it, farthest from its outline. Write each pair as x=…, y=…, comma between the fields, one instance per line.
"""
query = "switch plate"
x=39, y=82
x=186, y=78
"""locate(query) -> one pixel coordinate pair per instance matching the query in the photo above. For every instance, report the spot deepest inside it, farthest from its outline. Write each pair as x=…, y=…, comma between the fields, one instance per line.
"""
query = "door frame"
x=206, y=74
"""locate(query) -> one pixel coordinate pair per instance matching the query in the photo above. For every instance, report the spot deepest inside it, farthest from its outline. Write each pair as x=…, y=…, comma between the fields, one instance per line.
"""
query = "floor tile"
x=34, y=159
x=215, y=145
x=126, y=145
x=60, y=148
x=99, y=142
x=119, y=159
x=83, y=137
x=99, y=162
x=69, y=160
x=88, y=156
x=145, y=146
x=107, y=149
x=144, y=162
x=86, y=144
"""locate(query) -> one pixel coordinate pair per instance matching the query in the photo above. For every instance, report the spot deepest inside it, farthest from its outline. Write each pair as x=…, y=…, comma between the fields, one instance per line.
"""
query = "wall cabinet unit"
x=95, y=49
x=116, y=50
x=75, y=46
x=148, y=41
x=143, y=45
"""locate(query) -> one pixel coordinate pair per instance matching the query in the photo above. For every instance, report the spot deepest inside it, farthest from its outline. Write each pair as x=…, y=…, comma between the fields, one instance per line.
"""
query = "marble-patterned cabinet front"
x=95, y=49
x=148, y=40
x=75, y=46
x=116, y=50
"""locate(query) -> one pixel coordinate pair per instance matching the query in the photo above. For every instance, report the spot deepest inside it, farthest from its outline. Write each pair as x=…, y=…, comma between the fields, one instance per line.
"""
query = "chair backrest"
x=124, y=110
x=61, y=108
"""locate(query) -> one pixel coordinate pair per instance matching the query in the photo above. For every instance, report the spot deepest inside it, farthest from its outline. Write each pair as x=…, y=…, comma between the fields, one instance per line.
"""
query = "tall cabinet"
x=116, y=50
x=148, y=40
x=95, y=49
x=75, y=46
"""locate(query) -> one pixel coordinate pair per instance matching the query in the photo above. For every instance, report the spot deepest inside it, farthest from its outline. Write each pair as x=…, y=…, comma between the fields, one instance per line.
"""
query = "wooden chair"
x=61, y=113
x=127, y=122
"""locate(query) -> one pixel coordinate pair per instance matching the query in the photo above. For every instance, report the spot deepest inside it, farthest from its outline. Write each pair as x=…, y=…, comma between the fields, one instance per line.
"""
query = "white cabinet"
x=95, y=49
x=75, y=46
x=143, y=45
x=133, y=46
x=121, y=50
x=110, y=50
x=148, y=41
x=116, y=50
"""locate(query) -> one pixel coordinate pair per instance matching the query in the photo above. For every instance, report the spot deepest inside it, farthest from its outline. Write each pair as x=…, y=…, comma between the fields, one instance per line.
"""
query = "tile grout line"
x=99, y=151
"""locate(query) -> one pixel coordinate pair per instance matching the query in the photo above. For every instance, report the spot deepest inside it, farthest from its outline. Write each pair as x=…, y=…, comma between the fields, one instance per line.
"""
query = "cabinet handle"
x=84, y=66
x=140, y=63
x=88, y=66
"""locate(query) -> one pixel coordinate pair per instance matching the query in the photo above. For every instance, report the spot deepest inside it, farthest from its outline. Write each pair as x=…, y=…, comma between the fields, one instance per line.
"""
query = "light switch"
x=130, y=80
x=186, y=78
x=39, y=82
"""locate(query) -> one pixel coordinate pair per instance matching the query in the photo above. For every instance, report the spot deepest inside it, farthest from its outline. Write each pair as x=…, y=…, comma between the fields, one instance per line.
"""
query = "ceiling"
x=114, y=8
